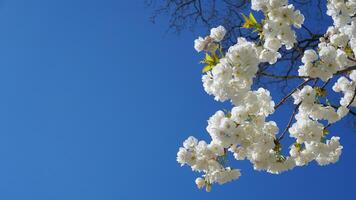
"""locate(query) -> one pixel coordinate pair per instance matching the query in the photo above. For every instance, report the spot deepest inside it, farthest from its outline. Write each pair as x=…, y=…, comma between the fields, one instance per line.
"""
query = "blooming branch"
x=244, y=130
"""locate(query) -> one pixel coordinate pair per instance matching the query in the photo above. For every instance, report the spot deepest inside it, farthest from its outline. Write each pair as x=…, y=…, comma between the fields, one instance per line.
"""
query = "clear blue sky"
x=95, y=101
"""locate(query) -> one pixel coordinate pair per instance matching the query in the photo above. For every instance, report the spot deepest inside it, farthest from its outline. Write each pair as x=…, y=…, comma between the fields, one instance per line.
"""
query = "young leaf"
x=247, y=23
x=252, y=18
x=250, y=21
x=208, y=58
x=207, y=68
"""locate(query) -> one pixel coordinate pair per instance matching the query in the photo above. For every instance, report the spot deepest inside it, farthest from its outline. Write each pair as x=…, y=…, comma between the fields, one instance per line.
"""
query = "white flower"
x=222, y=130
x=287, y=36
x=298, y=19
x=218, y=33
x=283, y=14
x=222, y=72
x=200, y=44
x=259, y=4
x=309, y=56
x=325, y=153
x=244, y=131
x=239, y=152
x=185, y=157
x=342, y=111
x=347, y=87
x=190, y=143
x=306, y=130
x=301, y=157
x=339, y=40
x=327, y=53
x=306, y=95
x=341, y=59
x=216, y=148
x=205, y=44
x=223, y=176
x=200, y=182
x=272, y=44
x=353, y=75
x=269, y=56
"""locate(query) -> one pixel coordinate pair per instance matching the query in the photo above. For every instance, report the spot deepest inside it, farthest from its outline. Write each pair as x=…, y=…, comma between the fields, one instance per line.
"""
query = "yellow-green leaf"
x=251, y=22
x=207, y=68
x=348, y=50
x=320, y=91
x=248, y=23
x=252, y=18
x=298, y=146
x=325, y=132
x=208, y=58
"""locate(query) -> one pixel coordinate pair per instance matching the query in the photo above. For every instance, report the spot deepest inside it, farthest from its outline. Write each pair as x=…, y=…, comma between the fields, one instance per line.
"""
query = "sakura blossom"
x=245, y=130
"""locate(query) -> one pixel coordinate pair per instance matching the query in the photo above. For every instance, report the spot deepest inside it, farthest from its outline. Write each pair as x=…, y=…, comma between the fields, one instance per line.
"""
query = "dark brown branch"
x=289, y=122
x=303, y=77
x=325, y=84
x=188, y=14
x=281, y=76
x=336, y=107
x=290, y=94
x=353, y=98
x=346, y=70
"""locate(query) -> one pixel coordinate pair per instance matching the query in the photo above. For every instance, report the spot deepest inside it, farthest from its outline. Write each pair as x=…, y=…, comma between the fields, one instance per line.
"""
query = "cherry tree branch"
x=302, y=77
x=281, y=76
x=353, y=98
x=289, y=123
x=290, y=94
x=346, y=70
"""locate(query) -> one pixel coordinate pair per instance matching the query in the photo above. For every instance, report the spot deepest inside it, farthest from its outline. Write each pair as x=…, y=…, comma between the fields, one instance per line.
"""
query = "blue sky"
x=95, y=101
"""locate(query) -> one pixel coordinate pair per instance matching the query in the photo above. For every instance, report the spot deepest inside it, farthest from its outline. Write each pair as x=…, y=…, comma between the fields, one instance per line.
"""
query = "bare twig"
x=336, y=107
x=290, y=94
x=289, y=122
x=282, y=76
x=346, y=70
x=353, y=98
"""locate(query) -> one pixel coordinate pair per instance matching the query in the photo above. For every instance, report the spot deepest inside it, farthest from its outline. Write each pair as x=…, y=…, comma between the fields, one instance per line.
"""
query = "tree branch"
x=353, y=98
x=289, y=123
x=290, y=94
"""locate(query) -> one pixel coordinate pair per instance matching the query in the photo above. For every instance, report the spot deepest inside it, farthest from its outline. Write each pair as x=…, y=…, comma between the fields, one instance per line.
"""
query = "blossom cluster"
x=309, y=133
x=277, y=31
x=347, y=87
x=338, y=44
x=245, y=130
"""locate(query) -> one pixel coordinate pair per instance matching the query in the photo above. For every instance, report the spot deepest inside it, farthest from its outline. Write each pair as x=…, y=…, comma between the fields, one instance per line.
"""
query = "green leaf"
x=248, y=22
x=325, y=132
x=251, y=22
x=252, y=18
x=348, y=50
x=298, y=146
x=208, y=58
x=207, y=68
x=320, y=91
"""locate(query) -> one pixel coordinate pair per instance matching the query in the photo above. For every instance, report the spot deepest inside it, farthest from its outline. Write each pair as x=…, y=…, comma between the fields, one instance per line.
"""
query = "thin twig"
x=289, y=122
x=353, y=98
x=288, y=95
x=336, y=107
x=281, y=76
x=346, y=70
x=325, y=84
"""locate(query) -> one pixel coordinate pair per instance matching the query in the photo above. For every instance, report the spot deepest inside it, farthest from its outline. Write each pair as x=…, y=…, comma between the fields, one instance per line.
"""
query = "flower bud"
x=200, y=182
